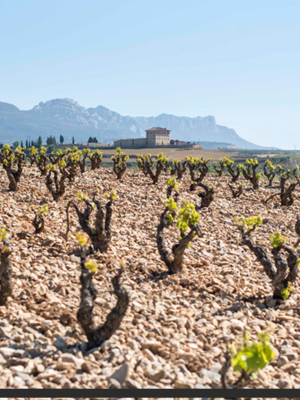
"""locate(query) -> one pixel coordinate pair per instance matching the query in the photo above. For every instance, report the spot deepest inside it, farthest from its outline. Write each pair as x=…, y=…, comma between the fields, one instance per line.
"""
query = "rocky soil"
x=175, y=331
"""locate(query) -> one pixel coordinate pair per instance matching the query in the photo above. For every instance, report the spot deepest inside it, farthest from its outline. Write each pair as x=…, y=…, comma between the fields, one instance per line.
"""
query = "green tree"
x=50, y=148
x=39, y=142
x=51, y=140
x=61, y=139
x=16, y=144
x=73, y=140
x=22, y=144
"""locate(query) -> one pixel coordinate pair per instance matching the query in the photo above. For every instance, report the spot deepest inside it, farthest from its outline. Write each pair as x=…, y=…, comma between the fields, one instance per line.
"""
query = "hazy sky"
x=236, y=60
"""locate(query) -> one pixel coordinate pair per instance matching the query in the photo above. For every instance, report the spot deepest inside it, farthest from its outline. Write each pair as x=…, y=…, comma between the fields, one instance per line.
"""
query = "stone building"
x=158, y=137
x=154, y=137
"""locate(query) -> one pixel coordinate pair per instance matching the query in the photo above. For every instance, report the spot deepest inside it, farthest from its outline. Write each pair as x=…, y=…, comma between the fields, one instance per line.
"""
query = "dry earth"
x=175, y=331
x=179, y=154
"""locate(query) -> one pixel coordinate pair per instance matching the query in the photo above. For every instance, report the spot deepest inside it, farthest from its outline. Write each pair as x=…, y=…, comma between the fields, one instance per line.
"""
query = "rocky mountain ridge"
x=66, y=117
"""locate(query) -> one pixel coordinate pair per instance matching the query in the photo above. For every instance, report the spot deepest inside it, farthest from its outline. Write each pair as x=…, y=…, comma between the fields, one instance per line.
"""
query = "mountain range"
x=66, y=117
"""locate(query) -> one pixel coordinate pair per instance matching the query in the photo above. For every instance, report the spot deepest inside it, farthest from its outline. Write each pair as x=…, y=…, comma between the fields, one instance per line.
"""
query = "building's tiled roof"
x=157, y=129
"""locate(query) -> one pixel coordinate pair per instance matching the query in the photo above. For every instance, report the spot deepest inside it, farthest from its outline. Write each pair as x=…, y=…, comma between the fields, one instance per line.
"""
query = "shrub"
x=50, y=148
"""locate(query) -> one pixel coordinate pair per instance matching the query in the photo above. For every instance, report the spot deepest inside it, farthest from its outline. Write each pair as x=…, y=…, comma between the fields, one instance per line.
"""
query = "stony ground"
x=175, y=331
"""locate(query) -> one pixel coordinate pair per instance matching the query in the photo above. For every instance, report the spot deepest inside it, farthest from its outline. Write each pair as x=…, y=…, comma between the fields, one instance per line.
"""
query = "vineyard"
x=165, y=276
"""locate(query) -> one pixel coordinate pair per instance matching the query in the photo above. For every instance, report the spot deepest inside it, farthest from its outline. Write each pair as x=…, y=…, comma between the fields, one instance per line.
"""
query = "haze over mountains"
x=66, y=117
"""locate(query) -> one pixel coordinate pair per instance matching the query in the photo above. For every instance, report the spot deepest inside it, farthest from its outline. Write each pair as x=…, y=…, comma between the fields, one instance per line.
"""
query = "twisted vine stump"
x=223, y=164
x=178, y=168
x=282, y=271
x=146, y=164
x=286, y=194
x=250, y=174
x=155, y=176
x=170, y=191
x=269, y=171
x=119, y=160
x=234, y=175
x=242, y=381
x=38, y=223
x=297, y=230
x=194, y=165
x=236, y=192
x=207, y=196
x=96, y=159
x=59, y=156
x=97, y=335
x=42, y=161
x=142, y=163
x=82, y=161
x=100, y=234
x=5, y=273
x=56, y=186
x=174, y=260
x=33, y=155
x=172, y=186
x=10, y=159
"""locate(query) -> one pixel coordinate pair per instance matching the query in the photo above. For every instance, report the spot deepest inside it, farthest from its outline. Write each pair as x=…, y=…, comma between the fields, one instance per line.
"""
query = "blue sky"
x=236, y=60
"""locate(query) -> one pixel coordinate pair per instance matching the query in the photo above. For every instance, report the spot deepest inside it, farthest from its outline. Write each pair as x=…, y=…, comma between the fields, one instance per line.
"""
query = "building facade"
x=131, y=143
x=154, y=137
x=158, y=137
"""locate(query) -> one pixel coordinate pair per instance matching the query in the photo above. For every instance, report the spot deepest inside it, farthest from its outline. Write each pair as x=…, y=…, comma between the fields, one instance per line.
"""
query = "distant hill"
x=66, y=117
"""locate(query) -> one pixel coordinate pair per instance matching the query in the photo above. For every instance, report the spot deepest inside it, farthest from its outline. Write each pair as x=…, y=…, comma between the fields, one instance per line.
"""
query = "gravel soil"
x=175, y=331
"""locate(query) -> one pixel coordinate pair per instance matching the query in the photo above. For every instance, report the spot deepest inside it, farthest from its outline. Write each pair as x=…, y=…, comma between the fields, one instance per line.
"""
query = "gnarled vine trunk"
x=251, y=175
x=5, y=273
x=207, y=196
x=101, y=233
x=174, y=261
x=38, y=223
x=236, y=193
x=97, y=335
x=282, y=271
x=56, y=187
